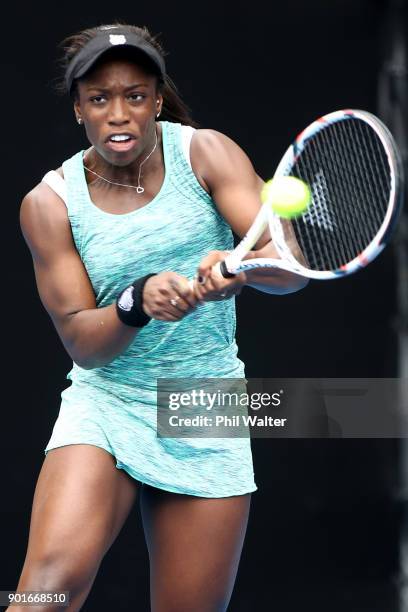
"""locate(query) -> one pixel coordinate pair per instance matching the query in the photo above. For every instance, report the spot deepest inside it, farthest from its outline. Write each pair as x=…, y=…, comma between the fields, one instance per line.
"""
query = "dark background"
x=323, y=532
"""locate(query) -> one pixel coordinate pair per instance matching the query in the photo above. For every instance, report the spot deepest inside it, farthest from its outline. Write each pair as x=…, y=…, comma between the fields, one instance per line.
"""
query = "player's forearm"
x=273, y=280
x=94, y=337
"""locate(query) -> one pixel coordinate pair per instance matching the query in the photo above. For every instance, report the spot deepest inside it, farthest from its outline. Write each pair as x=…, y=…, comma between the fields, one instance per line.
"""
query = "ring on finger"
x=174, y=301
x=223, y=294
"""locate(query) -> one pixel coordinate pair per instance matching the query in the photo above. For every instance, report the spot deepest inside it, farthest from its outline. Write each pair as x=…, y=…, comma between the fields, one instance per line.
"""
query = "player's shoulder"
x=207, y=137
x=42, y=192
x=209, y=146
x=215, y=154
x=42, y=202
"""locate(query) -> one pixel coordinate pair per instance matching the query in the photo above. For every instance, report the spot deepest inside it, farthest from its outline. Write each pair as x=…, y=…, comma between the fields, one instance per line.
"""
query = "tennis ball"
x=288, y=196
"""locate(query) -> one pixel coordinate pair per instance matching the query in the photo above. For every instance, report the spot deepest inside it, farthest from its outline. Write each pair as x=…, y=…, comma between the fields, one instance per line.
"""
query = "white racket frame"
x=234, y=261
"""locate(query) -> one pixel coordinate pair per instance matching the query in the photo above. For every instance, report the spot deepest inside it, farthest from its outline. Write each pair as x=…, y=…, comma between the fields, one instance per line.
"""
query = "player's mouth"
x=120, y=142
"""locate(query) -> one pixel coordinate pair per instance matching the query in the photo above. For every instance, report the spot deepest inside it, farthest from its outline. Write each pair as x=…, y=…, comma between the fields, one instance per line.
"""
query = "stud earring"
x=79, y=120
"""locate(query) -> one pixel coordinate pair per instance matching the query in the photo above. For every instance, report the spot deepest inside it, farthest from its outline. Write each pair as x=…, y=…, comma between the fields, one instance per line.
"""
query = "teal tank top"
x=173, y=232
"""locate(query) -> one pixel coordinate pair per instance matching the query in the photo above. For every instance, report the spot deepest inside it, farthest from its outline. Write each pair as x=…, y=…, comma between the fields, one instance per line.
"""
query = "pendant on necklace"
x=139, y=189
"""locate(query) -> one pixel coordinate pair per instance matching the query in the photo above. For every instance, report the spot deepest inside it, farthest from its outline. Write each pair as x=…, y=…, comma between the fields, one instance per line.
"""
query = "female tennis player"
x=115, y=234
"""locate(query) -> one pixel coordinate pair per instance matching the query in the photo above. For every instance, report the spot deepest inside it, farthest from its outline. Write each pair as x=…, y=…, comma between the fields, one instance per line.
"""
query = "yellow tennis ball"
x=288, y=196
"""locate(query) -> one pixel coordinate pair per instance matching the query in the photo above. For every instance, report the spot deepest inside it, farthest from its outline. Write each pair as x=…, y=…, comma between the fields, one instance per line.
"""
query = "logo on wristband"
x=126, y=299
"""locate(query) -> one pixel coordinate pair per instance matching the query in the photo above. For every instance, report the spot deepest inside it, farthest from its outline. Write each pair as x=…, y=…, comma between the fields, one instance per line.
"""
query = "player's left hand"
x=210, y=285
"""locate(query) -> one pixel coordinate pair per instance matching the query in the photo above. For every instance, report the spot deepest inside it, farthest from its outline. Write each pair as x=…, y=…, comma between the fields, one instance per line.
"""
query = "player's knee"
x=59, y=572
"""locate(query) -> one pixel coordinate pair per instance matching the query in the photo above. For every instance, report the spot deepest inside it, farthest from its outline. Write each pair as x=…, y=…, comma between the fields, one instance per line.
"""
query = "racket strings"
x=378, y=174
x=356, y=217
x=367, y=171
x=319, y=214
x=316, y=216
x=383, y=167
x=337, y=170
x=348, y=170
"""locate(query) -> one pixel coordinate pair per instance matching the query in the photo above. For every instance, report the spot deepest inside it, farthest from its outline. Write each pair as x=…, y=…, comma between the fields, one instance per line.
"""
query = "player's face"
x=119, y=97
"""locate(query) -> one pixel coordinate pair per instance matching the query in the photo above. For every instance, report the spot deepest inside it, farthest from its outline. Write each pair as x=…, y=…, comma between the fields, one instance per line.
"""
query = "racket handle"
x=224, y=270
x=220, y=268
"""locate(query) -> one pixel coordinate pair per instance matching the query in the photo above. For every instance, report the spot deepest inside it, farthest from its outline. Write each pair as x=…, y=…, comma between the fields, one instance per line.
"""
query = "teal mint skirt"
x=124, y=423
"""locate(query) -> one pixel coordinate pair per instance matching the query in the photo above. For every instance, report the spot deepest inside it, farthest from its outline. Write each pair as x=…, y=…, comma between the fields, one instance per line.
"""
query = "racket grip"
x=221, y=269
x=224, y=270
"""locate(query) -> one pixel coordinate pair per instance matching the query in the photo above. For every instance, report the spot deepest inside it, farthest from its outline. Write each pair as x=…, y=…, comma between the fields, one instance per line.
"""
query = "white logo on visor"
x=117, y=39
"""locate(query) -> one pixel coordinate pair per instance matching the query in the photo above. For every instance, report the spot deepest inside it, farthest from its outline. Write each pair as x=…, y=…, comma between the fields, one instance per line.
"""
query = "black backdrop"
x=324, y=515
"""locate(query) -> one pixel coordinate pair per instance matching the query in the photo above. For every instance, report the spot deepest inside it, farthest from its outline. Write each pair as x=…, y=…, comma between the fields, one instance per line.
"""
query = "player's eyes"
x=135, y=97
x=97, y=99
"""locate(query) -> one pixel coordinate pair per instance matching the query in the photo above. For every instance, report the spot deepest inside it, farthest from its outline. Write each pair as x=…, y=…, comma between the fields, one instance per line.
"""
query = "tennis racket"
x=352, y=165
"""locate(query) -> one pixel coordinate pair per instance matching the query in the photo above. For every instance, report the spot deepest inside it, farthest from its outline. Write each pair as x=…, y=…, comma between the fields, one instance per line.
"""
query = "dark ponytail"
x=173, y=109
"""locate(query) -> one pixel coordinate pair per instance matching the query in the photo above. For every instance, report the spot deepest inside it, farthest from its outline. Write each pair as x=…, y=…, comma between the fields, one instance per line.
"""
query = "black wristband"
x=129, y=303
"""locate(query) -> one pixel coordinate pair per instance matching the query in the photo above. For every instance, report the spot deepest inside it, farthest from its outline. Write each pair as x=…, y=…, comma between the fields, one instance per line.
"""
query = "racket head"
x=353, y=167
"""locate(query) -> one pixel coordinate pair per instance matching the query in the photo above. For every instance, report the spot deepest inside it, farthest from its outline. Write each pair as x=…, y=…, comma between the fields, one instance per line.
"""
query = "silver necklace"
x=139, y=188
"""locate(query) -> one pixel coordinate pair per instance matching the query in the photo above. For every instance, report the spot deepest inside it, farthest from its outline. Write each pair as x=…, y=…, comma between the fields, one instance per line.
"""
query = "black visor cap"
x=106, y=40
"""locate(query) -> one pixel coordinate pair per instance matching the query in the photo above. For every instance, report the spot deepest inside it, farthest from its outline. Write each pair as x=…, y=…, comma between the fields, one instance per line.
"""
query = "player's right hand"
x=168, y=296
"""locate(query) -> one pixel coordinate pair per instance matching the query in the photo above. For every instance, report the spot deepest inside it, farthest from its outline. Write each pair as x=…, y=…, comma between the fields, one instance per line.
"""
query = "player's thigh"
x=194, y=547
x=80, y=503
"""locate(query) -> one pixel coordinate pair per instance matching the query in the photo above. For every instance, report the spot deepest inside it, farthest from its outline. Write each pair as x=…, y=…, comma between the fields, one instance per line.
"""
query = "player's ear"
x=159, y=104
x=77, y=111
